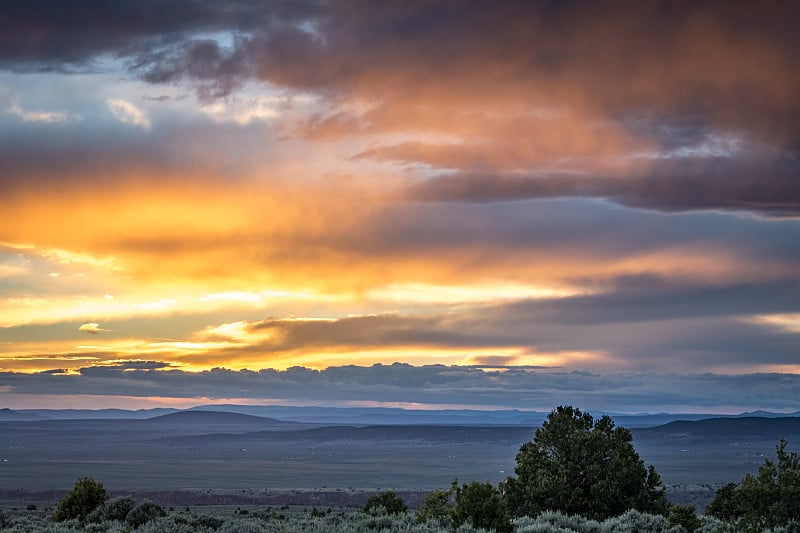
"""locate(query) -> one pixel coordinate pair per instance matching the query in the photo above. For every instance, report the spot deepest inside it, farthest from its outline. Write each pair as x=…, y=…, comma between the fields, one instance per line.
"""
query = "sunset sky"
x=522, y=203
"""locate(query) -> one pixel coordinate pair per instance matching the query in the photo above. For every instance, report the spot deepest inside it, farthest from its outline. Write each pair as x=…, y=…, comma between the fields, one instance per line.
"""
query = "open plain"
x=207, y=457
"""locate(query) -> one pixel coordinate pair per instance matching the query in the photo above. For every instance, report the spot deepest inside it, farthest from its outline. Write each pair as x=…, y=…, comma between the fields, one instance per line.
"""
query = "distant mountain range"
x=756, y=427
x=361, y=416
x=81, y=414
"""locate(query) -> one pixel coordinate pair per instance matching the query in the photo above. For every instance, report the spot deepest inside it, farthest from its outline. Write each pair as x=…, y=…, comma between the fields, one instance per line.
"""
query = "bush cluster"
x=359, y=522
x=88, y=505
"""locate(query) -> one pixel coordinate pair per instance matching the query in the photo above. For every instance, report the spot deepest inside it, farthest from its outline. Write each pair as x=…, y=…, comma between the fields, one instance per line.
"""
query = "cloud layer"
x=603, y=186
x=408, y=386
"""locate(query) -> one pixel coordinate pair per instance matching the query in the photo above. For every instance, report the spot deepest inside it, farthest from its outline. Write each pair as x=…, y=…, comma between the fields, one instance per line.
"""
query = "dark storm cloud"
x=220, y=71
x=438, y=384
x=714, y=58
x=667, y=74
x=49, y=34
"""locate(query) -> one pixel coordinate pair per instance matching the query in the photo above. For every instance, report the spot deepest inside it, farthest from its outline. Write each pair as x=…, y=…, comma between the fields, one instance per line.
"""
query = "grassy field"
x=282, y=465
x=45, y=456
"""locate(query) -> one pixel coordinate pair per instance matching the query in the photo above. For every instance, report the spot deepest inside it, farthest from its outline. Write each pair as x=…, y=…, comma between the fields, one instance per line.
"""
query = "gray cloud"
x=115, y=370
x=173, y=149
x=695, y=183
x=575, y=235
x=648, y=298
x=217, y=71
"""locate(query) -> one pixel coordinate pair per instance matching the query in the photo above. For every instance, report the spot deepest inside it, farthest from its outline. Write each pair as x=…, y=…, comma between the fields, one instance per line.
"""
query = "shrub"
x=710, y=524
x=684, y=516
x=633, y=520
x=143, y=513
x=240, y=526
x=206, y=521
x=534, y=526
x=161, y=525
x=482, y=506
x=85, y=497
x=436, y=506
x=391, y=502
x=556, y=521
x=114, y=509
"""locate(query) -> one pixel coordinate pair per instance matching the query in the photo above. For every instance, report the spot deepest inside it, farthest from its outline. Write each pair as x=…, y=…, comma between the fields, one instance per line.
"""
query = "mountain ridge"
x=362, y=416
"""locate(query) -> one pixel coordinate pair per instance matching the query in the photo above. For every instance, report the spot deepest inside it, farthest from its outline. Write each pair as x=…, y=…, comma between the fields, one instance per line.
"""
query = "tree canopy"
x=578, y=465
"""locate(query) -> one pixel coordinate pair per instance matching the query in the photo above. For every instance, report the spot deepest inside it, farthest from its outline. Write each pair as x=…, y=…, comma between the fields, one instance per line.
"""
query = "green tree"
x=390, y=501
x=578, y=465
x=482, y=506
x=766, y=500
x=436, y=506
x=684, y=516
x=85, y=497
x=724, y=505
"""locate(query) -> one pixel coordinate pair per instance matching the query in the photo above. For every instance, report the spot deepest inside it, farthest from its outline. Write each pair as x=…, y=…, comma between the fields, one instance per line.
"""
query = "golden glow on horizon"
x=235, y=346
x=180, y=282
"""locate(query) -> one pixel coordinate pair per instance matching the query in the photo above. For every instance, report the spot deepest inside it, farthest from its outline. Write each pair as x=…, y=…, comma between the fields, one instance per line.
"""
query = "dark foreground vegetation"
x=578, y=474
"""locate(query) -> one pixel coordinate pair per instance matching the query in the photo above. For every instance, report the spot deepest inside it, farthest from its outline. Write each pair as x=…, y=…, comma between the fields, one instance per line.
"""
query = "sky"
x=418, y=203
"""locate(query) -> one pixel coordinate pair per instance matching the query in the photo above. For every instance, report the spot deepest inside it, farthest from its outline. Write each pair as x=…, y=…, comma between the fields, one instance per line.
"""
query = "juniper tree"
x=578, y=465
